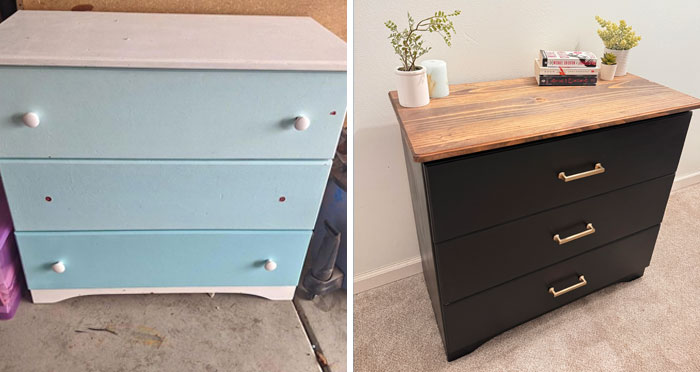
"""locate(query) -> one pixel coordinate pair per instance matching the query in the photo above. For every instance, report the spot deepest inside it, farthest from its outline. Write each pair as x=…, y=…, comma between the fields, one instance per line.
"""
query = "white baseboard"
x=387, y=274
x=685, y=181
x=412, y=266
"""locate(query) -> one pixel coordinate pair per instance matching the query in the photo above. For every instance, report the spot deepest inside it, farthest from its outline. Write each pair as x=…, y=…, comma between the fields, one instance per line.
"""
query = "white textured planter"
x=607, y=72
x=621, y=60
x=412, y=87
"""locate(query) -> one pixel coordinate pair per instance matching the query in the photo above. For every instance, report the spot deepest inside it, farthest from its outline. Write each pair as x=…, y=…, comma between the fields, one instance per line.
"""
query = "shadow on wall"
x=382, y=194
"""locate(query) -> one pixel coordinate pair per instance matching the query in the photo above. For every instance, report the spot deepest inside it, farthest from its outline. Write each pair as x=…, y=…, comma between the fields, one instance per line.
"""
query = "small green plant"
x=609, y=59
x=617, y=37
x=409, y=45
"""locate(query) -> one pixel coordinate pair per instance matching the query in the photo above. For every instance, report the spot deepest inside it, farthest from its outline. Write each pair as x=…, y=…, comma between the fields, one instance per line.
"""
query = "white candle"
x=437, y=78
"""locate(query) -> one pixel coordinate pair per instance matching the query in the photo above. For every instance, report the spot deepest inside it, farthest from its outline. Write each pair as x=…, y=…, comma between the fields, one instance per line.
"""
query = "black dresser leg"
x=464, y=351
x=632, y=277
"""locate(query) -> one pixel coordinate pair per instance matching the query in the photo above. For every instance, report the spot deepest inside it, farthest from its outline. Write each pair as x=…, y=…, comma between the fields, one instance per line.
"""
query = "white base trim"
x=387, y=274
x=685, y=181
x=46, y=296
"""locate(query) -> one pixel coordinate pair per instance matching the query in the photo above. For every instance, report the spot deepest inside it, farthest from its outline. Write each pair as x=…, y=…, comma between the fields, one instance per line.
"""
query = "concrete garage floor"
x=186, y=332
x=325, y=320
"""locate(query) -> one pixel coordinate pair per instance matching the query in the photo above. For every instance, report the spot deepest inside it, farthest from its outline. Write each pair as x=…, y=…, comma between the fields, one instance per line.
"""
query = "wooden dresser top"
x=484, y=116
x=136, y=40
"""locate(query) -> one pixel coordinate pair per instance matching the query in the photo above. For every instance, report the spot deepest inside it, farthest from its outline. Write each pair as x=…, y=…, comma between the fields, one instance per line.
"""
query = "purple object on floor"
x=8, y=311
x=10, y=286
x=8, y=262
x=5, y=219
x=8, y=257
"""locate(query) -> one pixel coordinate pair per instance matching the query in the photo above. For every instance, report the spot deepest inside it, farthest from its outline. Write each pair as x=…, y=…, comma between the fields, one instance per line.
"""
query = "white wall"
x=495, y=40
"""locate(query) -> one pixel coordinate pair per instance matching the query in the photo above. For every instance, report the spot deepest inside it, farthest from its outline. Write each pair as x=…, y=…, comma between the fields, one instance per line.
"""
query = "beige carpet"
x=650, y=324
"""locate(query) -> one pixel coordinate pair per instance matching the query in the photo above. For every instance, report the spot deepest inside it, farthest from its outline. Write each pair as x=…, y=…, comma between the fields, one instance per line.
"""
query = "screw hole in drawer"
x=282, y=199
x=48, y=199
x=333, y=112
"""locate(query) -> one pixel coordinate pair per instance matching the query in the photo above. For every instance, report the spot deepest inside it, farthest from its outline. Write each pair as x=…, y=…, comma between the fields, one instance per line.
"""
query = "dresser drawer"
x=161, y=258
x=169, y=113
x=476, y=192
x=484, y=259
x=472, y=321
x=53, y=195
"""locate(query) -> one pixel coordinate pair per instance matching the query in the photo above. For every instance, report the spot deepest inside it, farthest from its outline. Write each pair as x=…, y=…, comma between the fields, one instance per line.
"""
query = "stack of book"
x=557, y=68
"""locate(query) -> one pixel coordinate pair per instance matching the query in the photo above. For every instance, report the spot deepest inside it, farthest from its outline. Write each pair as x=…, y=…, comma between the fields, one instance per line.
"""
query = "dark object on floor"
x=327, y=257
x=321, y=359
x=7, y=8
x=323, y=276
x=103, y=330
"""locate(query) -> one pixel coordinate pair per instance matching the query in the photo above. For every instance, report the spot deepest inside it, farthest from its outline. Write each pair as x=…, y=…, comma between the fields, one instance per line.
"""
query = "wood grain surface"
x=489, y=115
x=332, y=14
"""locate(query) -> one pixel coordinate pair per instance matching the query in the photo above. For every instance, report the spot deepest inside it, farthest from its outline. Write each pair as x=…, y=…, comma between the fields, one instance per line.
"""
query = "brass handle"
x=581, y=282
x=598, y=169
x=589, y=230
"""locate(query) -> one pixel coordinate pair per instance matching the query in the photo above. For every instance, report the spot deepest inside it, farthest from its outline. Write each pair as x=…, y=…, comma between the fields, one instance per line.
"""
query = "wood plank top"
x=490, y=115
x=189, y=41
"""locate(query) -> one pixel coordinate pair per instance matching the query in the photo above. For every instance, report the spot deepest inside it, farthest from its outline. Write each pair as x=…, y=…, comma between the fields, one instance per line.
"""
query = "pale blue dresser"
x=154, y=153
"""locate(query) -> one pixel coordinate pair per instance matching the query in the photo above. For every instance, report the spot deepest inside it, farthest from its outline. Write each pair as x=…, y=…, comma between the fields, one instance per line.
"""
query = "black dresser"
x=527, y=198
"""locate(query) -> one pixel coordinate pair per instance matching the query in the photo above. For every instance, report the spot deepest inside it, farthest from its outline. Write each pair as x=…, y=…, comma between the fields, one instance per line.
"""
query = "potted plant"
x=608, y=67
x=408, y=44
x=618, y=40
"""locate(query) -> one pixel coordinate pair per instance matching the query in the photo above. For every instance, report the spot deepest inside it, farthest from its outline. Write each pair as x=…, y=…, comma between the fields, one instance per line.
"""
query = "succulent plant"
x=609, y=59
x=409, y=45
x=617, y=37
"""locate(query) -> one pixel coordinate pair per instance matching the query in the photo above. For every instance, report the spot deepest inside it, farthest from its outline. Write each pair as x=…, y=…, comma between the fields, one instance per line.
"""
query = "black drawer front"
x=487, y=258
x=475, y=319
x=476, y=192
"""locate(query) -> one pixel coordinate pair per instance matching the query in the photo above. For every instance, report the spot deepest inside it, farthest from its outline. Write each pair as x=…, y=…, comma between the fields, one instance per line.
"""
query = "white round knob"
x=31, y=120
x=59, y=267
x=302, y=123
x=270, y=265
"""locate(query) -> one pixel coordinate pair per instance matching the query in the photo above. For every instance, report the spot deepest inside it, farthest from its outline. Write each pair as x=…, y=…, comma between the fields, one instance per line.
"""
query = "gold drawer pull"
x=589, y=230
x=581, y=282
x=598, y=169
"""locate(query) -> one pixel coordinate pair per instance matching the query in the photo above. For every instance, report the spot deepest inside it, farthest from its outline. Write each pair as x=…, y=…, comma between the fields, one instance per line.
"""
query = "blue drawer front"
x=57, y=195
x=162, y=258
x=169, y=114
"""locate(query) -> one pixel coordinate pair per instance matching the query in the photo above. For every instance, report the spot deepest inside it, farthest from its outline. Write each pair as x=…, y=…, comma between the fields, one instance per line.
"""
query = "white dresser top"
x=139, y=40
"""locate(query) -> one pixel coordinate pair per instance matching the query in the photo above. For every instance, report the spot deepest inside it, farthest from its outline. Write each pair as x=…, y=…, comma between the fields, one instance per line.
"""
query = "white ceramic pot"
x=412, y=87
x=621, y=60
x=607, y=72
